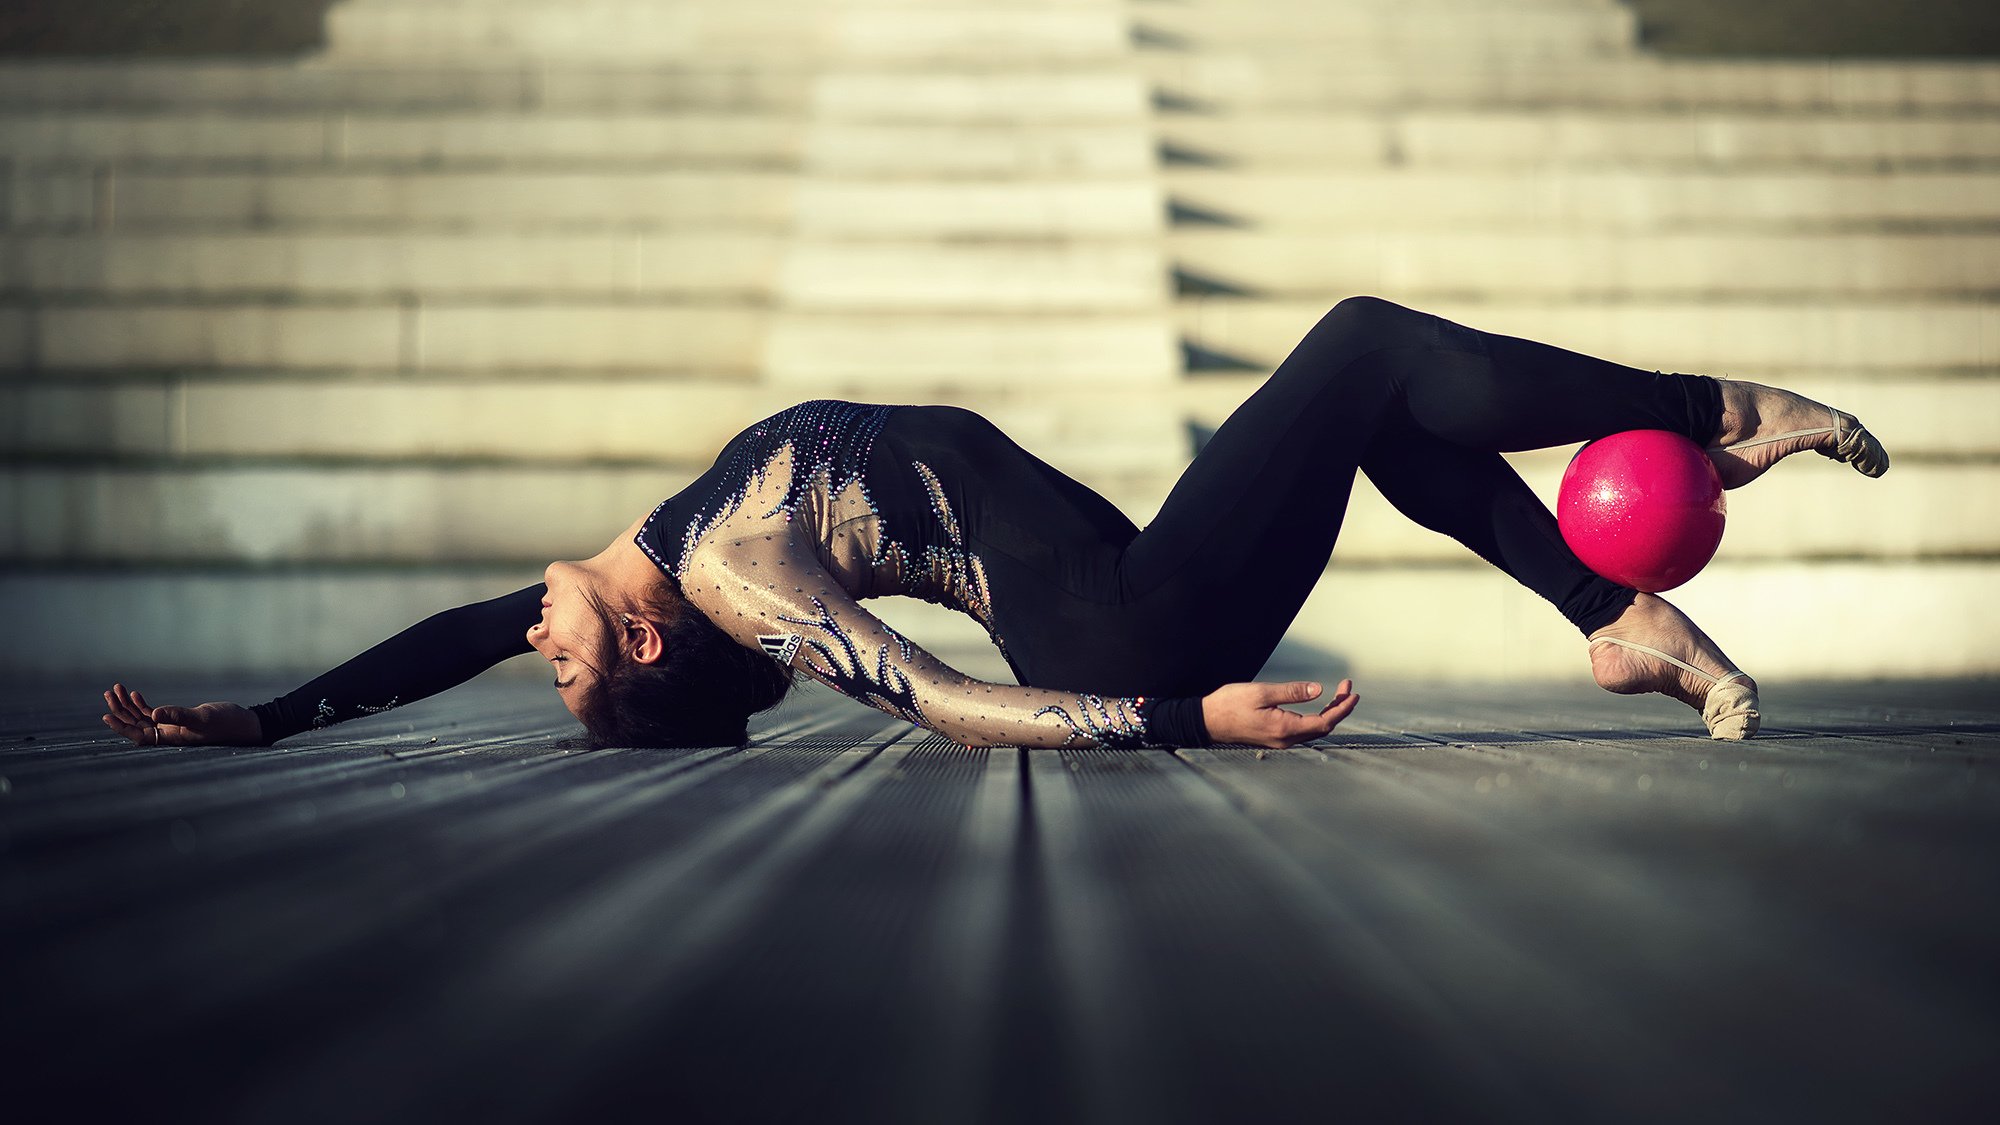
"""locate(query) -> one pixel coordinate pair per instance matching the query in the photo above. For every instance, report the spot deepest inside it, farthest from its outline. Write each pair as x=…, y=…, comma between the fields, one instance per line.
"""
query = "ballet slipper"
x=1852, y=444
x=1730, y=709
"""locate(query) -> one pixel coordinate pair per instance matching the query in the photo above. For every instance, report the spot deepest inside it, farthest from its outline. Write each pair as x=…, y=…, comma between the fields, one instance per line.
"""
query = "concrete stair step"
x=1094, y=209
x=1815, y=510
x=316, y=515
x=1510, y=266
x=384, y=336
x=351, y=417
x=614, y=144
x=220, y=619
x=889, y=353
x=1574, y=199
x=319, y=83
x=1283, y=10
x=1720, y=339
x=597, y=29
x=1426, y=28
x=737, y=264
x=926, y=277
x=1074, y=275
x=1275, y=79
x=1476, y=623
x=563, y=417
x=446, y=513
x=984, y=151
x=847, y=349
x=1109, y=207
x=1046, y=91
x=239, y=138
x=1218, y=78
x=974, y=91
x=829, y=351
x=1518, y=138
x=1940, y=419
x=1095, y=433
x=635, y=199
x=1333, y=138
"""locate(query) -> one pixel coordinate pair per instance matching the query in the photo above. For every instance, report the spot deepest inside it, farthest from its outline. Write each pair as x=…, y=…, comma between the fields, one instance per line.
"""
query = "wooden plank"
x=1206, y=978
x=1548, y=903
x=1532, y=905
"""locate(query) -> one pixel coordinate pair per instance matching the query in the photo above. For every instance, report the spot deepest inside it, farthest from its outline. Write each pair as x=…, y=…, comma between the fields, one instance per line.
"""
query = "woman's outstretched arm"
x=806, y=620
x=440, y=652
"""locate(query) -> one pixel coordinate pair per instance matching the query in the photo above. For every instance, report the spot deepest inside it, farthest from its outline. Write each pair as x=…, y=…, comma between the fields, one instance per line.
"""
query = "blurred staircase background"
x=297, y=353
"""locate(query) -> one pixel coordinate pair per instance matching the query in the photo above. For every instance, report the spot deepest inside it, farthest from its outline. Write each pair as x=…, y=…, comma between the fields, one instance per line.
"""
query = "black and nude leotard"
x=1113, y=633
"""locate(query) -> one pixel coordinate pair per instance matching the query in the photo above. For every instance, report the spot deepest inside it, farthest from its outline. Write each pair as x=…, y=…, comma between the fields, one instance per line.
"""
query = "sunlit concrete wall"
x=298, y=353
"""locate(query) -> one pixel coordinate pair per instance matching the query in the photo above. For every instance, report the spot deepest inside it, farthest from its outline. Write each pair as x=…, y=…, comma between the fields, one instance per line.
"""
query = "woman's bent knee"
x=1372, y=318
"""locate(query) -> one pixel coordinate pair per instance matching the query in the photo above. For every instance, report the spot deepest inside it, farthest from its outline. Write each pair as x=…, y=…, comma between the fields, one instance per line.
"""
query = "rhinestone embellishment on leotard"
x=325, y=716
x=829, y=440
x=1109, y=722
x=844, y=669
x=950, y=574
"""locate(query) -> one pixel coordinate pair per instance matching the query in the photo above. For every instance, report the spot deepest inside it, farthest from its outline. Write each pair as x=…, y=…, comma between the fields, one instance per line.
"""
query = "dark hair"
x=701, y=693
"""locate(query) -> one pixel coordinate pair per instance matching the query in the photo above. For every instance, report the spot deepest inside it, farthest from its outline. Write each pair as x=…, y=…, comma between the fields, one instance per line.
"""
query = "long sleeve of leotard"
x=769, y=590
x=439, y=652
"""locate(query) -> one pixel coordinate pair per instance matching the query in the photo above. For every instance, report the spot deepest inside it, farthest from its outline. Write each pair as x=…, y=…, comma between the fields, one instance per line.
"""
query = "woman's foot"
x=1636, y=654
x=1762, y=425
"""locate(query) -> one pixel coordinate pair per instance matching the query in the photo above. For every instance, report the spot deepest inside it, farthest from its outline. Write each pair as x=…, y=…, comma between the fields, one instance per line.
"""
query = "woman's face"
x=571, y=633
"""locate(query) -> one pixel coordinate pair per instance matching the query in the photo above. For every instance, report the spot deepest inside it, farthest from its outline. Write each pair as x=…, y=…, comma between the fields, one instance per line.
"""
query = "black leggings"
x=1085, y=600
x=1082, y=599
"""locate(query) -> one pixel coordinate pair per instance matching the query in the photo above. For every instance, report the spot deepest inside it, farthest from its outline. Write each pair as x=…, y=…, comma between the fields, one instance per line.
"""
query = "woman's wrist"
x=1175, y=721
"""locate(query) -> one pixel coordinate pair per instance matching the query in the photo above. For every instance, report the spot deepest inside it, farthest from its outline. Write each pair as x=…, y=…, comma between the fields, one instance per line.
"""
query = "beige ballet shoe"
x=1730, y=711
x=1852, y=444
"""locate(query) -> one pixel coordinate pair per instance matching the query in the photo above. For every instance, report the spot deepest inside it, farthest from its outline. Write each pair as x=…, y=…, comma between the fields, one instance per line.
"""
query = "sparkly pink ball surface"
x=1643, y=508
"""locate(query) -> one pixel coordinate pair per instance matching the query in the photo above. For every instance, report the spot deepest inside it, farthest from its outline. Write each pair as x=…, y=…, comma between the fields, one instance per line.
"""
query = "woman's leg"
x=1271, y=485
x=1477, y=498
x=1529, y=395
x=1247, y=530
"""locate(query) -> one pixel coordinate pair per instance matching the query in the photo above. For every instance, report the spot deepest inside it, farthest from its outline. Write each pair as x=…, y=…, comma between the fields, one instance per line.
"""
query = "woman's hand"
x=211, y=724
x=1253, y=715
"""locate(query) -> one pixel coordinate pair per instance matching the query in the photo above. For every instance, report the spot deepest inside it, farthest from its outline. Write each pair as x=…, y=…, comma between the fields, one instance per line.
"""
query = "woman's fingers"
x=130, y=700
x=1299, y=691
x=121, y=706
x=217, y=724
x=1322, y=724
x=130, y=717
x=1343, y=698
x=1309, y=727
x=145, y=734
x=1340, y=709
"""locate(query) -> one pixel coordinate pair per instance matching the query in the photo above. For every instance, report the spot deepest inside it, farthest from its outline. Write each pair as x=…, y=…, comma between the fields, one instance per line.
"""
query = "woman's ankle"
x=1739, y=413
x=1656, y=623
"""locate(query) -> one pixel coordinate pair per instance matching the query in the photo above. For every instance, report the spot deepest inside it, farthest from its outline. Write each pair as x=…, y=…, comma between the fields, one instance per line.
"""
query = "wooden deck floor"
x=1470, y=904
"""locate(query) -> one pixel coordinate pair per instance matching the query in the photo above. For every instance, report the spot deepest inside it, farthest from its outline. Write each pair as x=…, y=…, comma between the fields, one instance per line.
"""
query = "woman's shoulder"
x=764, y=474
x=744, y=581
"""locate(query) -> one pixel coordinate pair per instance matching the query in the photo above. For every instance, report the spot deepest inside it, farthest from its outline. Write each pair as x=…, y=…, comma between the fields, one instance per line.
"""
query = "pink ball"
x=1643, y=508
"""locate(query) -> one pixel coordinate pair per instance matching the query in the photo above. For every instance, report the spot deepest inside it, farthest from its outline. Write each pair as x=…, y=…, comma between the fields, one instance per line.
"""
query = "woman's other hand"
x=210, y=724
x=1254, y=714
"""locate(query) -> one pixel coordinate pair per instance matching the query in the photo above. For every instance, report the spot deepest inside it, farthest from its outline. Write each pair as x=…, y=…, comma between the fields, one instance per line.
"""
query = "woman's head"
x=645, y=668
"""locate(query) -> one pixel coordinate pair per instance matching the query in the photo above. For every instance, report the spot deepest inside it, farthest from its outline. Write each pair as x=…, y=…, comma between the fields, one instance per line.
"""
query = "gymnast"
x=700, y=613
